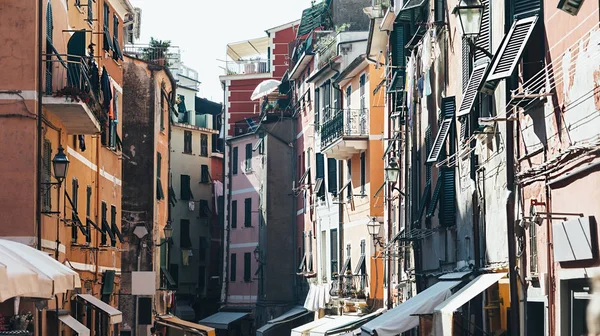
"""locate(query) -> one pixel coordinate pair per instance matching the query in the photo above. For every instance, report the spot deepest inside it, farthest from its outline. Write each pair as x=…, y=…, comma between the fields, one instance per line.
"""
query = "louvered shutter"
x=483, y=39
x=332, y=176
x=427, y=150
x=440, y=140
x=398, y=42
x=470, y=94
x=436, y=196
x=466, y=63
x=447, y=213
x=511, y=49
x=524, y=8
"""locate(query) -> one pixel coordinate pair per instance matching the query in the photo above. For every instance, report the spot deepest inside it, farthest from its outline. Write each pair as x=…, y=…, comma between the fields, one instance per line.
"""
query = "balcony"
x=327, y=49
x=350, y=286
x=248, y=58
x=247, y=67
x=346, y=134
x=162, y=56
x=70, y=94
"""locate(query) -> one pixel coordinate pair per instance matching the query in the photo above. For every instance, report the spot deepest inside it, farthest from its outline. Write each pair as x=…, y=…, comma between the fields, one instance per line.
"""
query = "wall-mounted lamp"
x=392, y=171
x=60, y=166
x=373, y=226
x=470, y=14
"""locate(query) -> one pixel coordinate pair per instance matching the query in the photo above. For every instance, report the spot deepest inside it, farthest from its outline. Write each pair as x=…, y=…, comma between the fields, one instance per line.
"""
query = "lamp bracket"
x=472, y=45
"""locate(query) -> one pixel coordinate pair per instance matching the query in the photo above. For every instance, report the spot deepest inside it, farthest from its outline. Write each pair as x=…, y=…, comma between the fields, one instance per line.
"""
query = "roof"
x=352, y=69
x=314, y=17
x=168, y=320
x=221, y=320
x=205, y=106
x=283, y=26
x=239, y=50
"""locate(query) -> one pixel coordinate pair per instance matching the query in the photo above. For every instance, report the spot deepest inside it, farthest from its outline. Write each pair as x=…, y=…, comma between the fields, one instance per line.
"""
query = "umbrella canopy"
x=32, y=273
x=264, y=88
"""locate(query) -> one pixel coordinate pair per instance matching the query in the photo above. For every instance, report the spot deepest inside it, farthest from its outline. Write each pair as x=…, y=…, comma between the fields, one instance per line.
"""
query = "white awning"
x=401, y=319
x=444, y=312
x=304, y=330
x=243, y=49
x=114, y=315
x=28, y=272
x=75, y=325
x=323, y=329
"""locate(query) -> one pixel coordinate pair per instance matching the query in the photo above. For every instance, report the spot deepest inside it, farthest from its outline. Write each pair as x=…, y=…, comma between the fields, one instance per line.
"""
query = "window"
x=234, y=214
x=447, y=212
x=310, y=251
x=204, y=145
x=46, y=176
x=248, y=161
x=320, y=190
x=184, y=234
x=332, y=176
x=484, y=38
x=440, y=11
x=247, y=266
x=248, y=212
x=88, y=212
x=349, y=177
x=107, y=45
x=113, y=226
x=201, y=278
x=326, y=100
x=74, y=197
x=317, y=107
x=473, y=87
x=187, y=142
x=533, y=253
x=363, y=173
x=204, y=174
x=440, y=140
x=363, y=98
x=105, y=227
x=186, y=192
x=234, y=160
x=333, y=251
x=163, y=105
x=116, y=45
x=158, y=164
x=90, y=12
x=348, y=262
x=204, y=209
x=348, y=96
x=233, y=274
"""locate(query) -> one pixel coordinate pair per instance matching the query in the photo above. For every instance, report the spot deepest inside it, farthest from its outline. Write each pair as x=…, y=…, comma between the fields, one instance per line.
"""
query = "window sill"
x=190, y=153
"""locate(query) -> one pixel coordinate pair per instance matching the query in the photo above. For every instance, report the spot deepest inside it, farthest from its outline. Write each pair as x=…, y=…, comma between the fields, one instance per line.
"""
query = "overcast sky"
x=203, y=28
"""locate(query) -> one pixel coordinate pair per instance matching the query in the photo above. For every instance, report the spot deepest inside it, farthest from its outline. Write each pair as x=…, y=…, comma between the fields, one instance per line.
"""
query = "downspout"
x=226, y=229
x=295, y=210
x=340, y=197
x=549, y=261
x=38, y=178
x=510, y=221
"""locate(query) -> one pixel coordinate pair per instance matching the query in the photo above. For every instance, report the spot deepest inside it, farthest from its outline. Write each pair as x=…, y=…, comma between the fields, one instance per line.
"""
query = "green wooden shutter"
x=247, y=266
x=320, y=166
x=447, y=213
x=484, y=38
x=399, y=40
x=332, y=176
x=185, y=193
x=526, y=8
x=233, y=263
x=248, y=212
x=234, y=214
x=234, y=160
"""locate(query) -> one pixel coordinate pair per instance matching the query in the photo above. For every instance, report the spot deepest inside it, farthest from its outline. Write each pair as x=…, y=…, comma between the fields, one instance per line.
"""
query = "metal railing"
x=247, y=67
x=349, y=286
x=163, y=56
x=327, y=52
x=348, y=122
x=71, y=76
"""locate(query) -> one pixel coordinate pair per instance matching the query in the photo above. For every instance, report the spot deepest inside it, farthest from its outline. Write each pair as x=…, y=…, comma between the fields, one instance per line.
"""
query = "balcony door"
x=76, y=51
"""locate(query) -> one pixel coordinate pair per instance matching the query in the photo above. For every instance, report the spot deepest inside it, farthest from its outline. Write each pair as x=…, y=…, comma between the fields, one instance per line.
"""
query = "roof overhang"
x=304, y=60
x=122, y=7
x=327, y=69
x=352, y=70
x=239, y=50
x=387, y=23
x=377, y=42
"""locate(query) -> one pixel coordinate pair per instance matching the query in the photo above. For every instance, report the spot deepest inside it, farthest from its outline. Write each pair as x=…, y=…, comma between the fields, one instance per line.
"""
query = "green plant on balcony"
x=325, y=42
x=22, y=321
x=157, y=51
x=74, y=93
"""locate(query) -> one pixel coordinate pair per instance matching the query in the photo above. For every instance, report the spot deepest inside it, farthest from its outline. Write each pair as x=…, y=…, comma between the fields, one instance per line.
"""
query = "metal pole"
x=510, y=221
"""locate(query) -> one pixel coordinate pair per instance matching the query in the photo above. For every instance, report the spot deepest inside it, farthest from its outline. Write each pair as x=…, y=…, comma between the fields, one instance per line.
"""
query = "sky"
x=202, y=29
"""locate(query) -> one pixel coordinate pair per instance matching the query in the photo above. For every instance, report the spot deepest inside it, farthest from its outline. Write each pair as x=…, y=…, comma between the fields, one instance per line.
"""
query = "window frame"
x=234, y=214
x=233, y=267
x=188, y=148
x=248, y=212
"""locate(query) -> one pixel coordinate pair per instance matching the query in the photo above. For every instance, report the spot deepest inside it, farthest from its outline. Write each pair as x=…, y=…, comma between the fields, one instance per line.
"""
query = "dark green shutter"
x=108, y=282
x=234, y=214
x=185, y=188
x=234, y=160
x=449, y=110
x=75, y=197
x=233, y=263
x=317, y=105
x=428, y=149
x=320, y=166
x=526, y=8
x=247, y=266
x=158, y=163
x=332, y=176
x=447, y=213
x=363, y=172
x=248, y=212
x=248, y=164
x=466, y=63
x=399, y=40
x=484, y=37
x=163, y=253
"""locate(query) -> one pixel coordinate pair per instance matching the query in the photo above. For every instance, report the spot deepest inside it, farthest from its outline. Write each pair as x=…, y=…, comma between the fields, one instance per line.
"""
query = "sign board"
x=143, y=283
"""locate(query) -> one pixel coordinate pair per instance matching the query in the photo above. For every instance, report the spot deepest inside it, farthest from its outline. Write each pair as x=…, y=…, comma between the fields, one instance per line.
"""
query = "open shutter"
x=473, y=87
x=447, y=213
x=524, y=8
x=483, y=39
x=398, y=42
x=511, y=49
x=424, y=202
x=436, y=196
x=440, y=140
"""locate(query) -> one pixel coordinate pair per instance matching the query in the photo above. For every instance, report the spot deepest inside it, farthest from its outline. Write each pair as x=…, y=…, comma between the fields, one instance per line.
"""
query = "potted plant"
x=157, y=52
x=22, y=321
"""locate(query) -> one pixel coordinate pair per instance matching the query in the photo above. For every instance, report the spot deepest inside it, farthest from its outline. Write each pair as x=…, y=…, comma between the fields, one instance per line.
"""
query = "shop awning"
x=194, y=328
x=351, y=326
x=28, y=272
x=286, y=322
x=444, y=312
x=401, y=318
x=222, y=320
x=304, y=330
x=327, y=328
x=114, y=315
x=75, y=325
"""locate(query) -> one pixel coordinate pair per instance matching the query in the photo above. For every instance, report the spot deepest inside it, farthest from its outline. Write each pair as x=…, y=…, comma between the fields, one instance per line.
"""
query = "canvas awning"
x=75, y=325
x=285, y=322
x=351, y=326
x=325, y=329
x=243, y=49
x=444, y=312
x=194, y=328
x=114, y=315
x=222, y=320
x=304, y=330
x=27, y=272
x=401, y=318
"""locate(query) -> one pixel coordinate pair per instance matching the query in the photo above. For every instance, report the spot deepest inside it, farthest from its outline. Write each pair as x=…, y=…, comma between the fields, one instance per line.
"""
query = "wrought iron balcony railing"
x=345, y=123
x=247, y=67
x=163, y=56
x=349, y=286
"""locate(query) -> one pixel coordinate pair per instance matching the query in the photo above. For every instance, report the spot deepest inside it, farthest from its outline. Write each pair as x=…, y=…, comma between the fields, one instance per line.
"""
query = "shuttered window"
x=46, y=175
x=248, y=212
x=466, y=63
x=428, y=150
x=204, y=174
x=435, y=196
x=447, y=213
x=363, y=173
x=114, y=227
x=524, y=8
x=333, y=252
x=440, y=10
x=423, y=202
x=511, y=49
x=184, y=234
x=107, y=45
x=440, y=140
x=332, y=176
x=204, y=145
x=317, y=107
x=74, y=198
x=88, y=212
x=248, y=161
x=204, y=209
x=186, y=192
x=398, y=42
x=247, y=266
x=473, y=87
x=319, y=188
x=234, y=214
x=234, y=161
x=233, y=263
x=484, y=37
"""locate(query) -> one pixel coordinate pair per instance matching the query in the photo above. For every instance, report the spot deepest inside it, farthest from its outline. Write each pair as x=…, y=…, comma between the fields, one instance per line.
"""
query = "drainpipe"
x=226, y=228
x=295, y=211
x=38, y=178
x=510, y=220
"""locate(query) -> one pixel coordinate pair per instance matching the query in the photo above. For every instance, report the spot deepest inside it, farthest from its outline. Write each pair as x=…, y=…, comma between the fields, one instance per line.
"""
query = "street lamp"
x=60, y=165
x=469, y=14
x=373, y=226
x=168, y=231
x=392, y=171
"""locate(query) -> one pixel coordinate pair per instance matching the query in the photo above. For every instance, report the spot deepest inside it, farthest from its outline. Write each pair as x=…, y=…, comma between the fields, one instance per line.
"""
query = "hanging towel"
x=81, y=139
x=427, y=83
x=185, y=257
x=218, y=191
x=106, y=90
